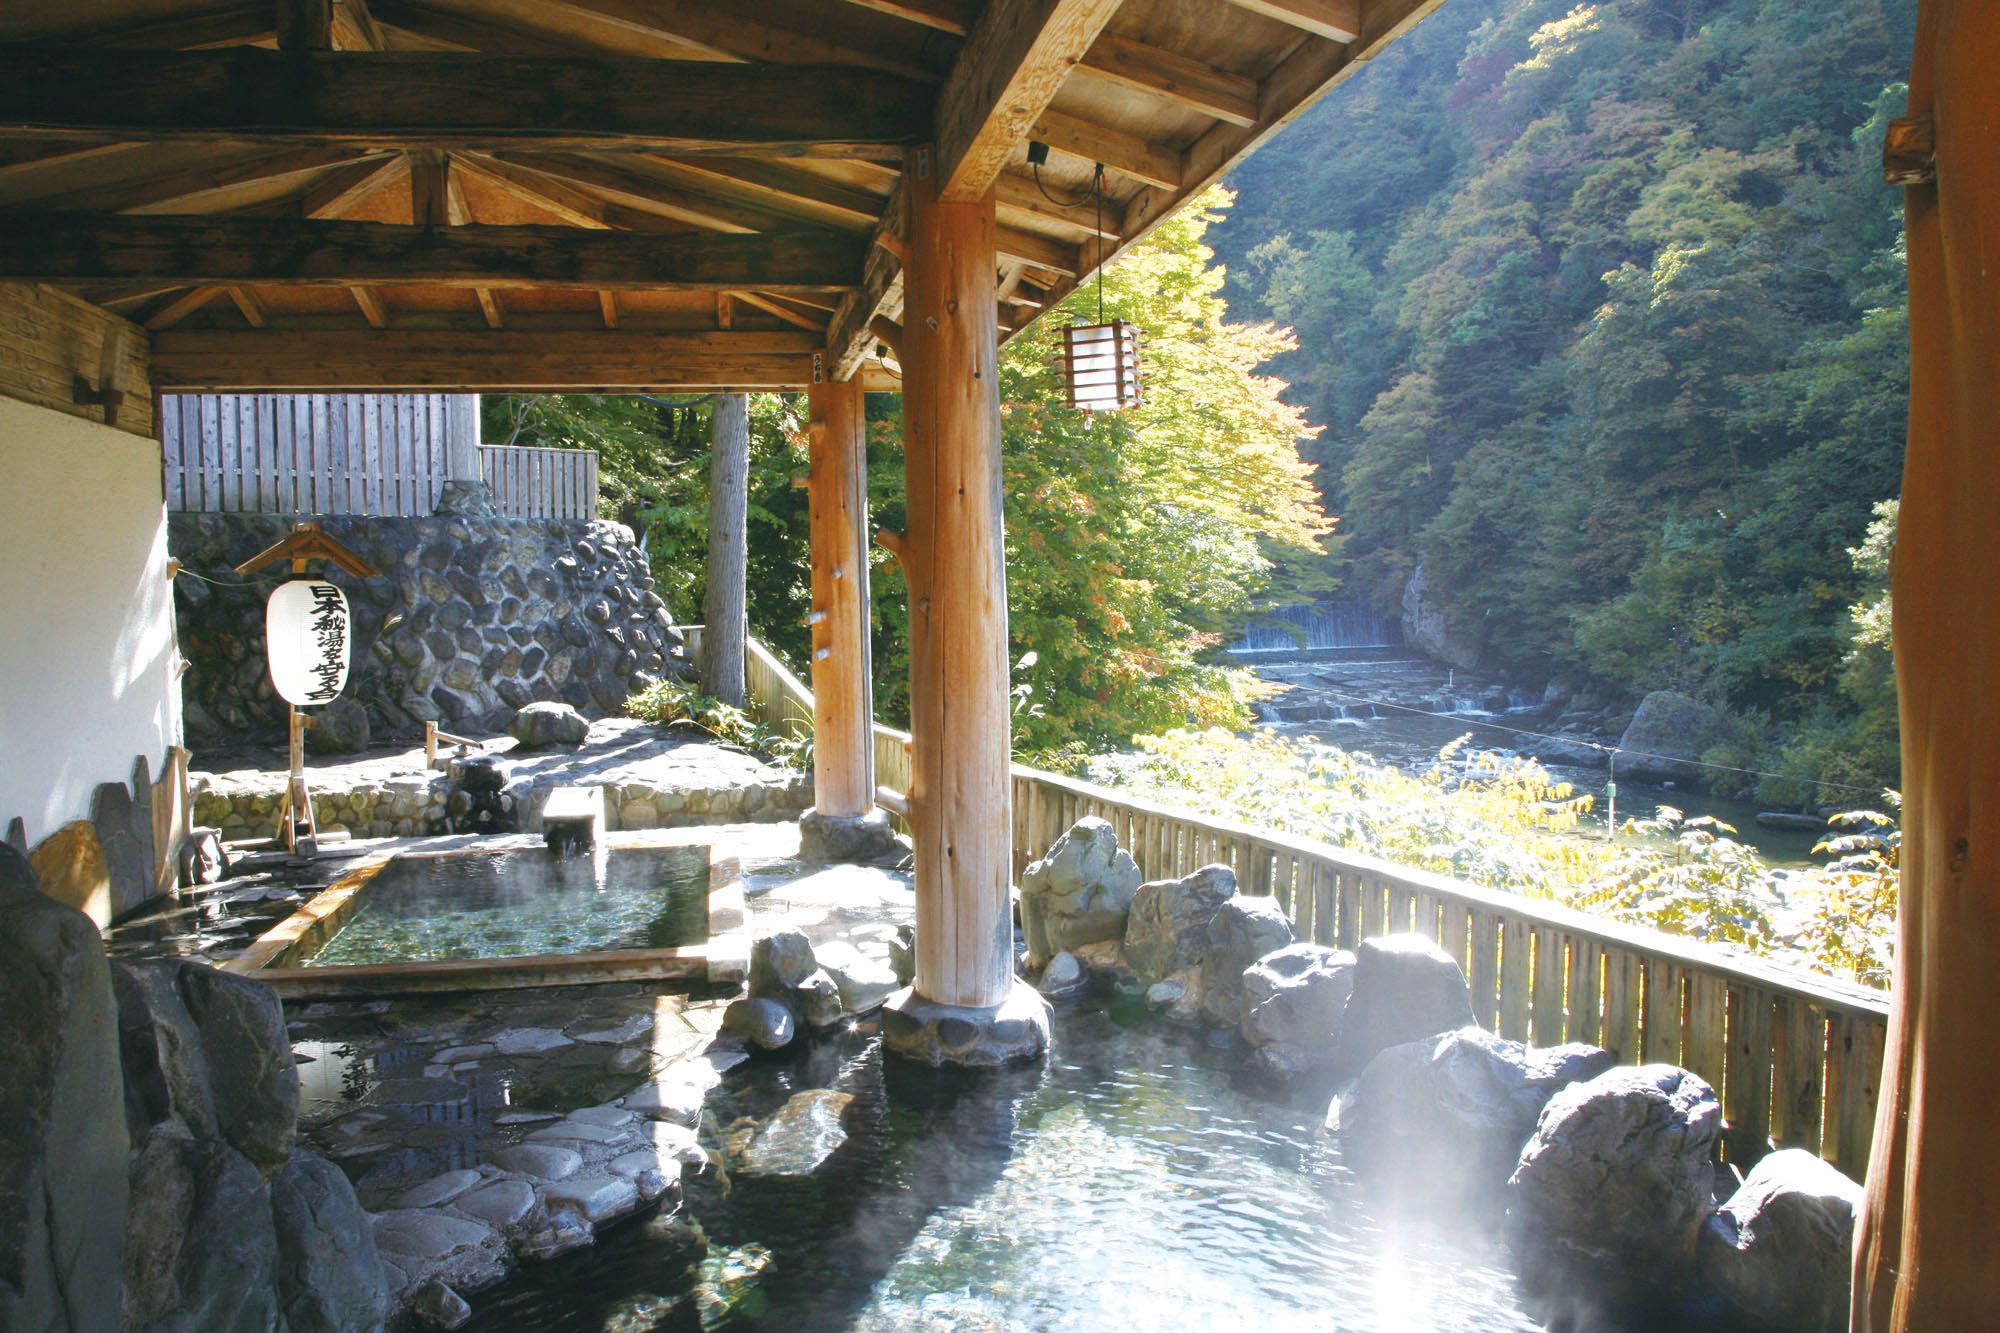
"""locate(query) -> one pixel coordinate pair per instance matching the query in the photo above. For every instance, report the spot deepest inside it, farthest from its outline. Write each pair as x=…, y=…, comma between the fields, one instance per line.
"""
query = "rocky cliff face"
x=471, y=619
x=1427, y=628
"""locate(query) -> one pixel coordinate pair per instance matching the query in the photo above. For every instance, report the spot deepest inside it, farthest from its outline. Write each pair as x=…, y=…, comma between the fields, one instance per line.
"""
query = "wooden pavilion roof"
x=604, y=193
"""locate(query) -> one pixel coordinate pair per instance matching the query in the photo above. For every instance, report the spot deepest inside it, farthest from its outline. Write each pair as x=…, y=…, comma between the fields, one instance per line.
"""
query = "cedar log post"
x=464, y=491
x=843, y=823
x=1924, y=1246
x=724, y=626
x=964, y=1006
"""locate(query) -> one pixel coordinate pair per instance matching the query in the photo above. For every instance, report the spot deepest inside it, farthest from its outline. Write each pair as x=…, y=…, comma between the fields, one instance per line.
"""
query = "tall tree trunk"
x=724, y=626
x=1924, y=1250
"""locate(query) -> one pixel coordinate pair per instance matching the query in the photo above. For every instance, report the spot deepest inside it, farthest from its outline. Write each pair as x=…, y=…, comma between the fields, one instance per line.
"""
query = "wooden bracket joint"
x=107, y=393
x=1909, y=151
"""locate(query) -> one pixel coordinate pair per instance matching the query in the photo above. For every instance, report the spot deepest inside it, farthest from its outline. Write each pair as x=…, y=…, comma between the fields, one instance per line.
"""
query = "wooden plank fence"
x=534, y=482
x=348, y=453
x=1795, y=1057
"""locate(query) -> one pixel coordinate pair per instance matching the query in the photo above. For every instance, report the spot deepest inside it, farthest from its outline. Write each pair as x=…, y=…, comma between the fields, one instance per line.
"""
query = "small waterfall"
x=1312, y=627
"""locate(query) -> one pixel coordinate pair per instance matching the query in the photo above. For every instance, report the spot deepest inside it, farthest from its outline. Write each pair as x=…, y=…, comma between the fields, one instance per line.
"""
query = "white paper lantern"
x=305, y=637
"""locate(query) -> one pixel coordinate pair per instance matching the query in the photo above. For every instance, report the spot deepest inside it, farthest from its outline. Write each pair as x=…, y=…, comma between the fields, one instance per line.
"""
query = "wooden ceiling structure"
x=606, y=194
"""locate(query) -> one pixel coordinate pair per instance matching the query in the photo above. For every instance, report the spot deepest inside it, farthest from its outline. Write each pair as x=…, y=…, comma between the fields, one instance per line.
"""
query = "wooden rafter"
x=1335, y=20
x=211, y=184
x=1013, y=61
x=952, y=16
x=225, y=250
x=771, y=306
x=178, y=309
x=1184, y=82
x=604, y=360
x=644, y=183
x=305, y=25
x=370, y=305
x=249, y=306
x=409, y=100
x=1127, y=154
x=458, y=213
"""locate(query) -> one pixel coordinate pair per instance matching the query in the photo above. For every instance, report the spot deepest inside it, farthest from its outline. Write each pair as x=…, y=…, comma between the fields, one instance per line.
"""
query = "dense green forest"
x=1594, y=314
x=1601, y=309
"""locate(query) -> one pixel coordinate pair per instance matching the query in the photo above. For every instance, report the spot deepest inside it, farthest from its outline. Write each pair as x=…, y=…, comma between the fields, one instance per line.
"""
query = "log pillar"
x=724, y=626
x=1924, y=1246
x=843, y=824
x=964, y=1006
x=464, y=491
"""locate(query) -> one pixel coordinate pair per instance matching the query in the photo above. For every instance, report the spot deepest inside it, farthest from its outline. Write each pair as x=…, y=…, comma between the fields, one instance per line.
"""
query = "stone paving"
x=491, y=1129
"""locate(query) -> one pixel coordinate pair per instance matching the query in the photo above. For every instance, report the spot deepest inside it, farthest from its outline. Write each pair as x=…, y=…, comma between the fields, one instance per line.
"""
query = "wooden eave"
x=435, y=193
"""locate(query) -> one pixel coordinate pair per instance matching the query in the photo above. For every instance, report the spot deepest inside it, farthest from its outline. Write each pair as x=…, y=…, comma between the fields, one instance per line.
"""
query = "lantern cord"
x=1097, y=188
x=1077, y=202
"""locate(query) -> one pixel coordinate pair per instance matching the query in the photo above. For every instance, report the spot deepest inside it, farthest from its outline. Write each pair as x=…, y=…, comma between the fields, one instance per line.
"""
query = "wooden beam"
x=1184, y=82
x=404, y=100
x=355, y=28
x=1335, y=20
x=781, y=311
x=808, y=34
x=250, y=307
x=371, y=307
x=1126, y=154
x=538, y=189
x=1032, y=248
x=180, y=308
x=457, y=213
x=1020, y=194
x=497, y=361
x=952, y=16
x=649, y=185
x=607, y=308
x=787, y=187
x=339, y=193
x=881, y=287
x=1013, y=61
x=201, y=250
x=430, y=188
x=725, y=310
x=49, y=340
x=305, y=25
x=208, y=186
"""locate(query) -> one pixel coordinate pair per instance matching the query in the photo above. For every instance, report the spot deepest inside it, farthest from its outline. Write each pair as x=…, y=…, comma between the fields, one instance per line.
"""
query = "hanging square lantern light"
x=1100, y=365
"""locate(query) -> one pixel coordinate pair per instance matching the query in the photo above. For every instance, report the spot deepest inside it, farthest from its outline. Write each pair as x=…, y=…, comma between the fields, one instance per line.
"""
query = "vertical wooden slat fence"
x=1795, y=1057
x=384, y=455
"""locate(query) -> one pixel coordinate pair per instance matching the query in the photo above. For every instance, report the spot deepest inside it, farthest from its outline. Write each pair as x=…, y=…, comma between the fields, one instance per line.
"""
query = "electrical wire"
x=1599, y=746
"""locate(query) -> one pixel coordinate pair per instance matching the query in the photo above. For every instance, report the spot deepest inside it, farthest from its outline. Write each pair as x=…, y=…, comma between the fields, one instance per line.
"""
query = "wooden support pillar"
x=843, y=704
x=461, y=438
x=1924, y=1246
x=954, y=562
x=724, y=627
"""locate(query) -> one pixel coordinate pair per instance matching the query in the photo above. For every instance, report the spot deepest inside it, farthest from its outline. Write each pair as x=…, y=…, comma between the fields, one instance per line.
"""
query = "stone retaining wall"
x=471, y=619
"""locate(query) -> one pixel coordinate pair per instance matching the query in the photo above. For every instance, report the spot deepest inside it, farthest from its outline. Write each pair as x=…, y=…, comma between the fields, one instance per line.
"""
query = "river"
x=1348, y=679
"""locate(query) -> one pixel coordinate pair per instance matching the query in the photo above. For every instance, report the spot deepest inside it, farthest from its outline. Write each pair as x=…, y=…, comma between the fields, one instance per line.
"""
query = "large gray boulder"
x=1242, y=930
x=1080, y=893
x=1297, y=996
x=543, y=724
x=1167, y=930
x=330, y=1277
x=210, y=1048
x=1449, y=1114
x=218, y=1257
x=63, y=1140
x=1779, y=1250
x=1617, y=1180
x=1667, y=731
x=1405, y=987
x=341, y=727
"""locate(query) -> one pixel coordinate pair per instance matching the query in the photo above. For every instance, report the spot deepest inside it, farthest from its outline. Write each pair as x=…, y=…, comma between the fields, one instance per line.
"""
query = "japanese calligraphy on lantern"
x=305, y=633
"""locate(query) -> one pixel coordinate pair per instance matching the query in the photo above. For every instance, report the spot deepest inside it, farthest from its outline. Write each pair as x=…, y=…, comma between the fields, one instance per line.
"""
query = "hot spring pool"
x=1127, y=1186
x=524, y=902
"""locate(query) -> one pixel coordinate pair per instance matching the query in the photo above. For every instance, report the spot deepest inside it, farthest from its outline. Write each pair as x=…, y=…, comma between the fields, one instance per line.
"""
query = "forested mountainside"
x=1601, y=308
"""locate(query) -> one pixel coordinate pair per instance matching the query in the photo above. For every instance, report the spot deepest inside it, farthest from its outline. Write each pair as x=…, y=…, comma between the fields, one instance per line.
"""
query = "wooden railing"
x=1795, y=1057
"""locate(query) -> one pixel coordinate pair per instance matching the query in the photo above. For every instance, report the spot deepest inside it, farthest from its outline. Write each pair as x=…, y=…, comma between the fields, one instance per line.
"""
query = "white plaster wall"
x=87, y=663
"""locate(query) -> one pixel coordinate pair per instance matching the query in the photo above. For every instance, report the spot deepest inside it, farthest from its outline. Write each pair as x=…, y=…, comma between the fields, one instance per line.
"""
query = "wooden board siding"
x=48, y=339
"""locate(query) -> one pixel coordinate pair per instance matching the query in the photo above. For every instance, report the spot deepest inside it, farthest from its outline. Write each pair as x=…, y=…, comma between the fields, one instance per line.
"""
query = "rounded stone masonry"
x=846, y=837
x=942, y=1036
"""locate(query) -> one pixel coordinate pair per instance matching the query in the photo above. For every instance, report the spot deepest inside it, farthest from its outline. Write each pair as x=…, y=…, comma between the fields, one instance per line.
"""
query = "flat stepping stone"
x=451, y=1053
x=678, y=1102
x=438, y=1189
x=581, y=1133
x=420, y=1237
x=544, y=1161
x=597, y=1198
x=500, y=1204
x=608, y=1116
x=529, y=1041
x=633, y=1028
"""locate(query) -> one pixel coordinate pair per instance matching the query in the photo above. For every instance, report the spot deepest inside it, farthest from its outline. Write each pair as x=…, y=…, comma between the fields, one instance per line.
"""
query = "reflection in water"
x=1128, y=1185
x=514, y=903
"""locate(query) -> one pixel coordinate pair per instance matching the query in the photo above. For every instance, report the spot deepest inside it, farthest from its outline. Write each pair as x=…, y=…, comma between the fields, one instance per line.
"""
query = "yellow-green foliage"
x=673, y=703
x=1505, y=823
